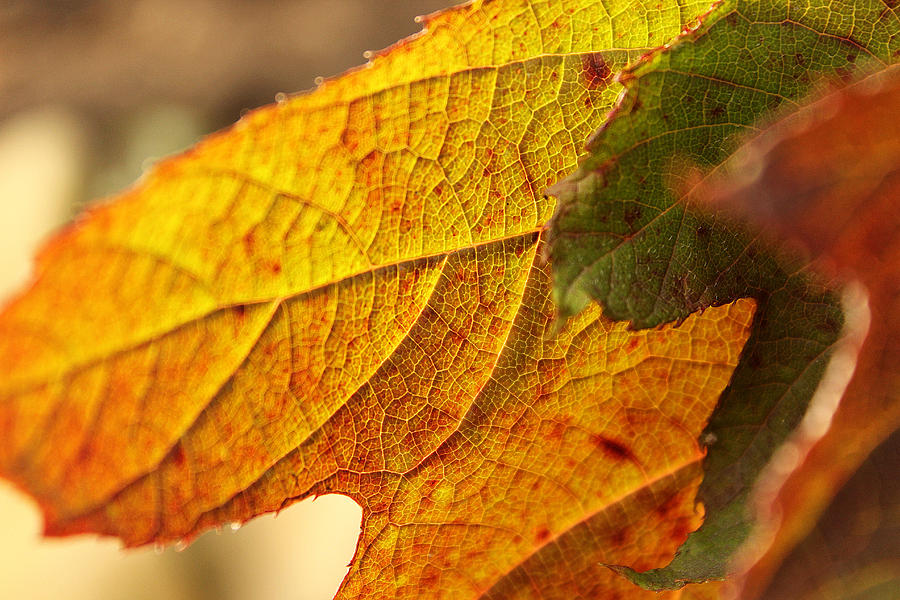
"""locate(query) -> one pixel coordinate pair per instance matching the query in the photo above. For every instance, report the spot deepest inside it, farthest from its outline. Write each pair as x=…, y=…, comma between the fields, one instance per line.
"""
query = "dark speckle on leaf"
x=597, y=73
x=614, y=449
x=631, y=216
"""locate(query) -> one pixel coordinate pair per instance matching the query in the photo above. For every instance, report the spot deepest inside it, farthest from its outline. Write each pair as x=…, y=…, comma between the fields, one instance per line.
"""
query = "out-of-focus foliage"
x=826, y=179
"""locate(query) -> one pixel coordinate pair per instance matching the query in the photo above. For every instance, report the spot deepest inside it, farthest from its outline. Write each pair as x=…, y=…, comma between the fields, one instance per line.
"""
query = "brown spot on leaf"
x=249, y=241
x=631, y=216
x=667, y=509
x=178, y=456
x=596, y=72
x=619, y=538
x=542, y=535
x=240, y=311
x=613, y=449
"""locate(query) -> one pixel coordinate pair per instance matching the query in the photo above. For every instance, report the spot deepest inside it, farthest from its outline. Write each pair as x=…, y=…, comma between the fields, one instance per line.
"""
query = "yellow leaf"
x=345, y=292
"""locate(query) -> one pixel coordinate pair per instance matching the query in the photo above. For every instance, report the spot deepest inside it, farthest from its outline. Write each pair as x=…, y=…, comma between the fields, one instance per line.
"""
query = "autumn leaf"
x=624, y=233
x=345, y=293
x=824, y=179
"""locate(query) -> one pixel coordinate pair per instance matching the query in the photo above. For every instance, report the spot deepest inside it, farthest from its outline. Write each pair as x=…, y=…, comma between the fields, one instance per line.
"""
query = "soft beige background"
x=90, y=91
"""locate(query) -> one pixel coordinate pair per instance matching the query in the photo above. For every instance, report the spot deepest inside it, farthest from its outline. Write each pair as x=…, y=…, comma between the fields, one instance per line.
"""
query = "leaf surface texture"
x=345, y=292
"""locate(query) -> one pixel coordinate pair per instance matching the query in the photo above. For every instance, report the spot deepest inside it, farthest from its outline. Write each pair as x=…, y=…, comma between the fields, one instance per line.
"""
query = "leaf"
x=623, y=233
x=826, y=179
x=345, y=293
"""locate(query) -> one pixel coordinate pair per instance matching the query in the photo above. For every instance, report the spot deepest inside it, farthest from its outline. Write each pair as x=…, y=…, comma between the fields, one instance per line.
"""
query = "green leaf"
x=624, y=235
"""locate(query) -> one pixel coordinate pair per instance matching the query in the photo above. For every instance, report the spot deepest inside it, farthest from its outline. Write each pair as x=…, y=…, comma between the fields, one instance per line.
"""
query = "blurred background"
x=91, y=93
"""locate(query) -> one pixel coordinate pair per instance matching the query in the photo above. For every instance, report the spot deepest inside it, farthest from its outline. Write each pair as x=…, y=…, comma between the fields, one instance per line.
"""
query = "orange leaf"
x=345, y=293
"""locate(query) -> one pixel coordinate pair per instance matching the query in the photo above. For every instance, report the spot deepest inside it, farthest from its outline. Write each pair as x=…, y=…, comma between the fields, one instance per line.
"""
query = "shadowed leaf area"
x=825, y=179
x=345, y=293
x=625, y=234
